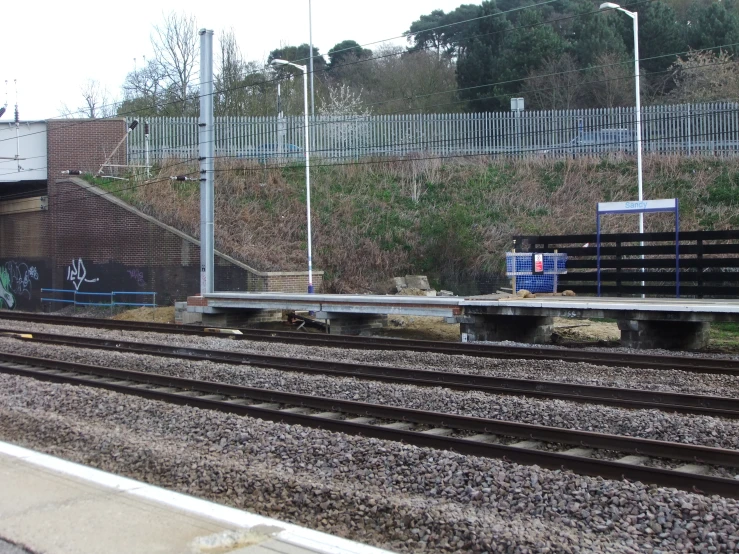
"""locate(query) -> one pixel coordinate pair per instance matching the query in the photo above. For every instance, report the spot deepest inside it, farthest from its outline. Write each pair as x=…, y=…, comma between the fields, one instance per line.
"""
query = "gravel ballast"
x=579, y=373
x=388, y=494
x=649, y=424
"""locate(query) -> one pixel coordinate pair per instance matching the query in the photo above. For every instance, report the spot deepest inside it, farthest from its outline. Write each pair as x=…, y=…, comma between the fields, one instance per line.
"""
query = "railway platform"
x=54, y=506
x=644, y=322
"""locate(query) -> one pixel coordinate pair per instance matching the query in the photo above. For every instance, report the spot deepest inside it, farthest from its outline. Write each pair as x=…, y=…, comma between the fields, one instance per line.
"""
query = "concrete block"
x=695, y=469
x=460, y=319
x=633, y=459
x=397, y=284
x=518, y=328
x=582, y=452
x=351, y=324
x=531, y=445
x=240, y=318
x=417, y=282
x=668, y=335
x=189, y=318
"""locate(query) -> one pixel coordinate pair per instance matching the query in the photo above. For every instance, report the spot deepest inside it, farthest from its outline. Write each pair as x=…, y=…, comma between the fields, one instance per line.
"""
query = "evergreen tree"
x=714, y=24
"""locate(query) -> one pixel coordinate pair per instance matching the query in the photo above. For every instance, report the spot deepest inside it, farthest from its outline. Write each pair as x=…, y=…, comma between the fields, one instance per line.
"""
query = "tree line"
x=562, y=55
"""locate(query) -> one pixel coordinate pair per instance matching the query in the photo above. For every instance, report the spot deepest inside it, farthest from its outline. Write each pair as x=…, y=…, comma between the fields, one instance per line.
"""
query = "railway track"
x=541, y=445
x=611, y=396
x=618, y=359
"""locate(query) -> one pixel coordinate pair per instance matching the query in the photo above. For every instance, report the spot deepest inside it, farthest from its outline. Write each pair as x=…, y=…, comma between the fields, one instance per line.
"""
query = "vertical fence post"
x=619, y=257
x=686, y=128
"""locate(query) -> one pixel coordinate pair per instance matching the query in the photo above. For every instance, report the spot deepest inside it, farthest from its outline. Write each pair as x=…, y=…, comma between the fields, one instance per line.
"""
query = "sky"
x=53, y=48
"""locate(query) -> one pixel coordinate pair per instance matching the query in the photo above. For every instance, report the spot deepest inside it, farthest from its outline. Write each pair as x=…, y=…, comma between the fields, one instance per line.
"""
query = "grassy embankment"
x=452, y=220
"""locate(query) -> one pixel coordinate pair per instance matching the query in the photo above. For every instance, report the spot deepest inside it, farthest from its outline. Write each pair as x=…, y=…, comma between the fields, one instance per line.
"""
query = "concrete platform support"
x=352, y=324
x=670, y=335
x=183, y=317
x=518, y=328
x=233, y=319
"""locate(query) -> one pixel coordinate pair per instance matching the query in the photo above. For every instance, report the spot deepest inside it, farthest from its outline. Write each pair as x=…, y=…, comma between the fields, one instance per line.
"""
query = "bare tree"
x=97, y=102
x=611, y=81
x=175, y=45
x=165, y=84
x=705, y=77
x=399, y=80
x=556, y=86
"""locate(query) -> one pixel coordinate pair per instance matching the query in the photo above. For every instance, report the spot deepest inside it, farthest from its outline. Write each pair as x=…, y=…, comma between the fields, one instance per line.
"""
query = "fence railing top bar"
x=555, y=240
x=655, y=109
x=57, y=290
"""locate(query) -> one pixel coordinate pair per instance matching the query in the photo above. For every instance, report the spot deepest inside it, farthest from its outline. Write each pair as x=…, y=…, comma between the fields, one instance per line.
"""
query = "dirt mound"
x=156, y=315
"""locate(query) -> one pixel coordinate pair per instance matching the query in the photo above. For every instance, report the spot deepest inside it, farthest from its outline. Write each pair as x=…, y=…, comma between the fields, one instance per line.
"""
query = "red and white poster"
x=538, y=263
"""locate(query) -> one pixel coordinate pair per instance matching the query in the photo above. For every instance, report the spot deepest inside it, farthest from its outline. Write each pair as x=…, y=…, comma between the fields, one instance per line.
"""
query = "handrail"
x=112, y=295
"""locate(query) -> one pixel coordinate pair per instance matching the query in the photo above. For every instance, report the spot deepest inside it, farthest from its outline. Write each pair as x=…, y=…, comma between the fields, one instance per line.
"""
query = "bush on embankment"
x=450, y=219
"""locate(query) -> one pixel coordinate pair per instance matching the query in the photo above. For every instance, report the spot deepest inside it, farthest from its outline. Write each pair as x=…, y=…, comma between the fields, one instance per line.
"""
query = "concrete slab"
x=49, y=513
x=9, y=548
x=695, y=469
x=493, y=317
x=57, y=507
x=582, y=452
x=633, y=459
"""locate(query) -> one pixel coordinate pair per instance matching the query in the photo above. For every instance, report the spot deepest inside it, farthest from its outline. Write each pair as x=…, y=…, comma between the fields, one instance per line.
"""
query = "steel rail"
x=237, y=400
x=621, y=397
x=693, y=364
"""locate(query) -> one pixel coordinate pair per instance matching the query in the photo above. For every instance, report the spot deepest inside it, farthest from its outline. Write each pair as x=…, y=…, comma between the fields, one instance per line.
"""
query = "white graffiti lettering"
x=21, y=277
x=77, y=274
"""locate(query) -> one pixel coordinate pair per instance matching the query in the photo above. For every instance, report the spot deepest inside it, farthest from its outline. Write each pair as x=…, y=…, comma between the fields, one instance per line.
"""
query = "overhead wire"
x=240, y=87
x=492, y=84
x=300, y=126
x=318, y=151
x=573, y=150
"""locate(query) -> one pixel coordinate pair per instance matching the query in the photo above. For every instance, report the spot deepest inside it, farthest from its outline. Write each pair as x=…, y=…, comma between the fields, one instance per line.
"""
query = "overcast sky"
x=53, y=48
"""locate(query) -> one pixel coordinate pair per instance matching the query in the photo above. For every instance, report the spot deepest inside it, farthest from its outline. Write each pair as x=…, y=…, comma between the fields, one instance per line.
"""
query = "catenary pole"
x=206, y=136
x=307, y=183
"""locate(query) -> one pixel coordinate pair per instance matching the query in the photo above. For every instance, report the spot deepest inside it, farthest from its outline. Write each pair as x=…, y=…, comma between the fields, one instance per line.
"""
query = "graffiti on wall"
x=77, y=274
x=21, y=278
x=7, y=300
x=138, y=276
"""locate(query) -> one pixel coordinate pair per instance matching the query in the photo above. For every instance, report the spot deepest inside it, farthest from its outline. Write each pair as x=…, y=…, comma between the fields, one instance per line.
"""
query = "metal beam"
x=206, y=138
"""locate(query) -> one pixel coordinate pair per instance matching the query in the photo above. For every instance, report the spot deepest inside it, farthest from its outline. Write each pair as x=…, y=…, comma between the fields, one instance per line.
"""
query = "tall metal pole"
x=206, y=138
x=635, y=16
x=310, y=33
x=307, y=179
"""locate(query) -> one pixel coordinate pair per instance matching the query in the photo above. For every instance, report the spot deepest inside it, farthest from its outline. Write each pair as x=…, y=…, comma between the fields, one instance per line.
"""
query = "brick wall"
x=128, y=250
x=83, y=144
x=92, y=241
x=24, y=235
x=293, y=281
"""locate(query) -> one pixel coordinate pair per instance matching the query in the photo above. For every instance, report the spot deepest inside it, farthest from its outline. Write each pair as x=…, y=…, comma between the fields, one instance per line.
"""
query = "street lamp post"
x=304, y=69
x=635, y=17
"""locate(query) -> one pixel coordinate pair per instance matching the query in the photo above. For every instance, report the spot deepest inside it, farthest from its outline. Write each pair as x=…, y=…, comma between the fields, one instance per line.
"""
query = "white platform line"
x=294, y=534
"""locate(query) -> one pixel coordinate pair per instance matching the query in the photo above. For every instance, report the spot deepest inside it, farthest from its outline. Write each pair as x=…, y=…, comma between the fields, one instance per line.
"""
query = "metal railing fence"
x=685, y=129
x=102, y=299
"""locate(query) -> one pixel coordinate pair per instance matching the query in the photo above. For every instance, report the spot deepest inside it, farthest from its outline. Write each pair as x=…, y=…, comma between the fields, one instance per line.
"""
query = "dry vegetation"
x=444, y=218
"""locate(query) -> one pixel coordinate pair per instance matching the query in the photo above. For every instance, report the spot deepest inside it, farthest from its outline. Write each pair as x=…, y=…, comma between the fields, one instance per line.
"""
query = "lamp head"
x=278, y=63
x=609, y=6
